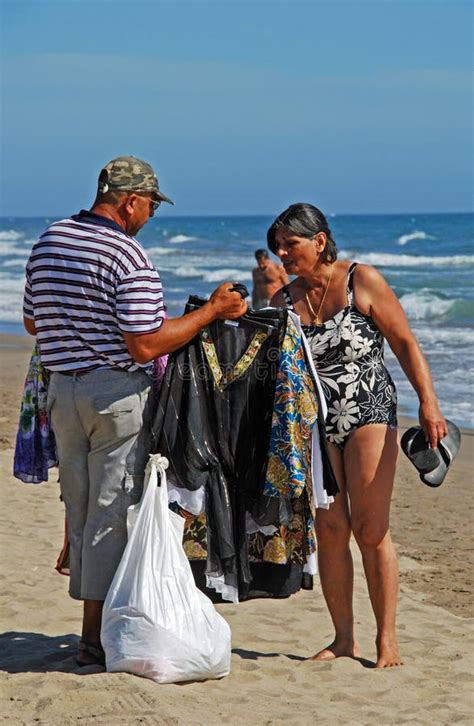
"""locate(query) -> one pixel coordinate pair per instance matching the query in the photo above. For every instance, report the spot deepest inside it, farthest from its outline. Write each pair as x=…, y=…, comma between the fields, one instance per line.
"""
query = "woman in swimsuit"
x=347, y=310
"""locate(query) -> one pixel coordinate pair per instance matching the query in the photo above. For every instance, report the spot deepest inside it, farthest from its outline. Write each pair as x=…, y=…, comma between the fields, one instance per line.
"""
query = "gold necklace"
x=316, y=319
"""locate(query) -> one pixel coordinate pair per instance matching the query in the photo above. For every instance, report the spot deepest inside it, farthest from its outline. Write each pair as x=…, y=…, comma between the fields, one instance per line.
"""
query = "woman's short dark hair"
x=304, y=220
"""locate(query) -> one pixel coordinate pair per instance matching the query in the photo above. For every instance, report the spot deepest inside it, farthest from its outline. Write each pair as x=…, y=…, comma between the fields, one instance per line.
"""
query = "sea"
x=428, y=259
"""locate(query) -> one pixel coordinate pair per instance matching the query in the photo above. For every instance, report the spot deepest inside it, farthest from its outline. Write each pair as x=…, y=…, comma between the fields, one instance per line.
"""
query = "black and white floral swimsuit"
x=348, y=354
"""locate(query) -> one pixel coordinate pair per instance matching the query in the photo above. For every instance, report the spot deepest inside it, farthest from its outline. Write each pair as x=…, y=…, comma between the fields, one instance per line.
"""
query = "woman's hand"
x=432, y=422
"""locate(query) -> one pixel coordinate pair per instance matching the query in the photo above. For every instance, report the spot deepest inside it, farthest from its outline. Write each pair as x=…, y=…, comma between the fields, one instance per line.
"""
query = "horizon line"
x=330, y=215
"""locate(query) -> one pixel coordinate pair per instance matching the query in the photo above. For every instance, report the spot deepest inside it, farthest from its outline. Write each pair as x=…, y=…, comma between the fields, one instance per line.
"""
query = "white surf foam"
x=417, y=234
x=177, y=238
x=218, y=275
x=162, y=250
x=385, y=259
x=239, y=261
x=424, y=305
x=11, y=299
x=11, y=285
x=16, y=262
x=10, y=234
x=10, y=313
x=226, y=274
x=186, y=271
x=448, y=351
x=8, y=249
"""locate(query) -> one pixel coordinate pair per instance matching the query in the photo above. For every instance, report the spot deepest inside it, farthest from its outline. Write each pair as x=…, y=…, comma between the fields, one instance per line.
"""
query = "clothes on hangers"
x=236, y=419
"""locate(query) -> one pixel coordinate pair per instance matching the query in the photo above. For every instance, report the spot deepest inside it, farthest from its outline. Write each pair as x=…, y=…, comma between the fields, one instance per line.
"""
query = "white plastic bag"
x=156, y=623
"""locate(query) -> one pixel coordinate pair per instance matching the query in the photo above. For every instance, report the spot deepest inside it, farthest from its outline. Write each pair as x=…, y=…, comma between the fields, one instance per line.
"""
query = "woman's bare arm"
x=374, y=297
x=277, y=301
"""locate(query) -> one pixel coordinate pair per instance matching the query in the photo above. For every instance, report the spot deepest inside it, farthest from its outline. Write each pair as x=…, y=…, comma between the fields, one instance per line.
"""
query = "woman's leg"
x=370, y=458
x=333, y=531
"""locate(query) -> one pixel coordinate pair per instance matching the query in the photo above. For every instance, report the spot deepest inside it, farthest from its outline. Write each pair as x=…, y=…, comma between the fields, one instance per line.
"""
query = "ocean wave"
x=16, y=262
x=11, y=300
x=8, y=249
x=218, y=275
x=185, y=271
x=448, y=351
x=10, y=234
x=9, y=284
x=226, y=274
x=162, y=250
x=178, y=238
x=413, y=235
x=425, y=305
x=385, y=259
x=448, y=340
x=10, y=314
x=242, y=261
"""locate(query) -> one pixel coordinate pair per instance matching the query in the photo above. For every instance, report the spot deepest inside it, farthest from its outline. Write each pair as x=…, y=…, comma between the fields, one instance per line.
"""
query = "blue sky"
x=241, y=106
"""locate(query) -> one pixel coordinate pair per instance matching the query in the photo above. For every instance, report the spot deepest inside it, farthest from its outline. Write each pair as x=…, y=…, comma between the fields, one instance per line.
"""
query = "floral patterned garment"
x=295, y=411
x=348, y=354
x=291, y=543
x=35, y=448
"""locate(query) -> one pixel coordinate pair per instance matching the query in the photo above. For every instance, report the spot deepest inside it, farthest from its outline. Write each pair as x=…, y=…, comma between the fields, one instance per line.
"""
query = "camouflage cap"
x=129, y=174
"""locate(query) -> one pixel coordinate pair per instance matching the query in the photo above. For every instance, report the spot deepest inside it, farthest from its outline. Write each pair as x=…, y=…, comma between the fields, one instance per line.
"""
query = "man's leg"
x=73, y=452
x=114, y=407
x=91, y=623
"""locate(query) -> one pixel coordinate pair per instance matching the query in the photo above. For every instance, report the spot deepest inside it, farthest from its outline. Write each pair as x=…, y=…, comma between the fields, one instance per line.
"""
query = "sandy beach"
x=271, y=682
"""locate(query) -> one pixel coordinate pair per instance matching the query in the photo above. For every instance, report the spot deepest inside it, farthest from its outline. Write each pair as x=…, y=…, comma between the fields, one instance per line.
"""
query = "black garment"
x=268, y=580
x=213, y=424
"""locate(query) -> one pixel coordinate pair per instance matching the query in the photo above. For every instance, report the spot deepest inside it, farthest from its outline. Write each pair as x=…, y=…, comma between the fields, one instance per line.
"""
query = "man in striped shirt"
x=95, y=304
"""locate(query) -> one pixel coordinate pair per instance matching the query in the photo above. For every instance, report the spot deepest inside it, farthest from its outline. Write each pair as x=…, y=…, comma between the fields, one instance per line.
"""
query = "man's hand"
x=29, y=325
x=223, y=304
x=227, y=304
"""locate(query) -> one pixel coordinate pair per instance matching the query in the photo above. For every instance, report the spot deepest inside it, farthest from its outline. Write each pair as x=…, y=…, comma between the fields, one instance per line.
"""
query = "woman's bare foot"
x=338, y=648
x=388, y=654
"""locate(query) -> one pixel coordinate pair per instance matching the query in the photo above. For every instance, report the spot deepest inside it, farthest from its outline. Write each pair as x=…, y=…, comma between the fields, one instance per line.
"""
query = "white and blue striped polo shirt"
x=87, y=282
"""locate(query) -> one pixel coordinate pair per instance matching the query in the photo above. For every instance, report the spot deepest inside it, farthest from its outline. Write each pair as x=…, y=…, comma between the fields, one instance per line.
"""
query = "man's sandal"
x=94, y=655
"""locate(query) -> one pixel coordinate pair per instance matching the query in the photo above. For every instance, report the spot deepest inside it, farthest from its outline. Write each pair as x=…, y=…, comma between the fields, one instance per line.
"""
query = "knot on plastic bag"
x=159, y=461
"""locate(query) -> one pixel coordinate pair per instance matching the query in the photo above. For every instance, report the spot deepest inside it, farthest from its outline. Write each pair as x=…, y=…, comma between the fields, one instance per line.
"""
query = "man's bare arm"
x=174, y=333
x=29, y=325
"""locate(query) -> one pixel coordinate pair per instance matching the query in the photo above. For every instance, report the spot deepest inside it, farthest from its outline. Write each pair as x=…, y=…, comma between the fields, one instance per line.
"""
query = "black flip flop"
x=432, y=464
